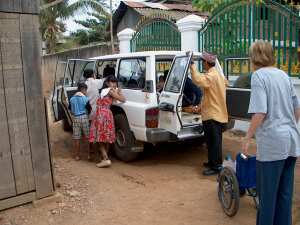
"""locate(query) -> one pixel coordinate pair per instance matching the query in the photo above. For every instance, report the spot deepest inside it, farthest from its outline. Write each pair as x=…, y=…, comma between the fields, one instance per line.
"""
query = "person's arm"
x=201, y=80
x=297, y=115
x=226, y=82
x=257, y=107
x=117, y=95
x=256, y=121
x=296, y=103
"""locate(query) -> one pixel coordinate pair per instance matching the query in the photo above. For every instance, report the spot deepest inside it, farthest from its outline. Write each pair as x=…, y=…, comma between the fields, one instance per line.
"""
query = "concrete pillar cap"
x=126, y=34
x=190, y=23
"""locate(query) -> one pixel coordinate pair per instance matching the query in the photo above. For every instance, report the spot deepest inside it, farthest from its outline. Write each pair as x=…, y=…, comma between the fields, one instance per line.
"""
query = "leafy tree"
x=210, y=5
x=52, y=18
x=96, y=29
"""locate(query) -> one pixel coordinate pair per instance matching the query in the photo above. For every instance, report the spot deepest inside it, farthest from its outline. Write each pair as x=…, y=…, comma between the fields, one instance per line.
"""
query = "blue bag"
x=246, y=171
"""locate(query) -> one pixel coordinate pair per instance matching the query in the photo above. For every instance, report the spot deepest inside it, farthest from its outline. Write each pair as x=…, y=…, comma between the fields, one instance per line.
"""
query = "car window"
x=176, y=75
x=59, y=73
x=132, y=73
x=106, y=68
x=80, y=67
x=239, y=71
x=68, y=74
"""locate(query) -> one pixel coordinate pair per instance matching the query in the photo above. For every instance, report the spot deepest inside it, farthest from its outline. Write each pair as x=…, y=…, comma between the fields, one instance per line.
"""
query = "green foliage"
x=95, y=29
x=52, y=19
x=210, y=5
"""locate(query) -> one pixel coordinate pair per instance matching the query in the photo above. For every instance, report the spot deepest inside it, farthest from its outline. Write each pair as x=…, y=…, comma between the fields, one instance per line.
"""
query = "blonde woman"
x=275, y=111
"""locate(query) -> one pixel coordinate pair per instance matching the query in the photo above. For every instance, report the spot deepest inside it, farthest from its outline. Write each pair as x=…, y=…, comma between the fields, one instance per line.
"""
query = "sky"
x=73, y=26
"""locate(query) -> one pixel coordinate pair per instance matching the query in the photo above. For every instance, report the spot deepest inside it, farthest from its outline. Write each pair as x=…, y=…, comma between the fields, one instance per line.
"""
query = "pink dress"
x=103, y=126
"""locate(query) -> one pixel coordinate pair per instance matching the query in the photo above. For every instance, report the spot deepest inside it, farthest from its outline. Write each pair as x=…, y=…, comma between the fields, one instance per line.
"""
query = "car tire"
x=66, y=125
x=125, y=139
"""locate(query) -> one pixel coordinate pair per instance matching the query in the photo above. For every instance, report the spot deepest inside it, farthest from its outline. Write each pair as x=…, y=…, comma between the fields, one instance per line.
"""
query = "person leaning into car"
x=214, y=111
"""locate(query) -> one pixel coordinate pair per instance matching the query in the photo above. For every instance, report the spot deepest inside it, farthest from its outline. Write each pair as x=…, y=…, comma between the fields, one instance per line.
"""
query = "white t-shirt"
x=94, y=85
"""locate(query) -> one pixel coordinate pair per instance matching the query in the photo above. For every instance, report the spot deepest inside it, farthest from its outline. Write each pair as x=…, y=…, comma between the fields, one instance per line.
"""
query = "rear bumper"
x=156, y=135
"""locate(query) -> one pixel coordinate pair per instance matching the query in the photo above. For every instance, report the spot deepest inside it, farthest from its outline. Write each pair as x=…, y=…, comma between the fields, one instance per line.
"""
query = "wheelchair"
x=235, y=182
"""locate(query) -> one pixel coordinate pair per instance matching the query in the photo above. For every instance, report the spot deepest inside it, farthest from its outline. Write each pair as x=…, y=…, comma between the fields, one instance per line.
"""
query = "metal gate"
x=156, y=34
x=234, y=26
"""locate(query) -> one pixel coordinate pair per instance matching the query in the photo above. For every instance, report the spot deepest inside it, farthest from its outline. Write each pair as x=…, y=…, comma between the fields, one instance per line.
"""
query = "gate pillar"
x=189, y=27
x=125, y=37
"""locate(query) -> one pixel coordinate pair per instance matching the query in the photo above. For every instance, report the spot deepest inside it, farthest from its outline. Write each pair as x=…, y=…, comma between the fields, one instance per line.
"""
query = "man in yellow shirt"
x=213, y=110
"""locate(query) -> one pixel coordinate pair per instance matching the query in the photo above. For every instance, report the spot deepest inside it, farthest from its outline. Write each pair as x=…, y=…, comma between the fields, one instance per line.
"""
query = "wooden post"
x=31, y=53
x=25, y=162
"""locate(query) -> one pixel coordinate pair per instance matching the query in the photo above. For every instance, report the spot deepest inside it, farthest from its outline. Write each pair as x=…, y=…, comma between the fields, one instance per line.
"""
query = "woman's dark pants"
x=275, y=182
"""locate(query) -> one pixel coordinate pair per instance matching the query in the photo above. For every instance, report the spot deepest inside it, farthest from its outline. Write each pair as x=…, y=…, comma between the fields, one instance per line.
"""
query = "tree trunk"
x=111, y=29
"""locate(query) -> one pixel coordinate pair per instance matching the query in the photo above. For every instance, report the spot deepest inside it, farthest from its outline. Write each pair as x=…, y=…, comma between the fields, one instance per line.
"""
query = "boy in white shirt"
x=92, y=93
x=94, y=85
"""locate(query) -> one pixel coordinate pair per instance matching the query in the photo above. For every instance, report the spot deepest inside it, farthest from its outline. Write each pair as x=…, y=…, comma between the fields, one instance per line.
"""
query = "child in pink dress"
x=102, y=127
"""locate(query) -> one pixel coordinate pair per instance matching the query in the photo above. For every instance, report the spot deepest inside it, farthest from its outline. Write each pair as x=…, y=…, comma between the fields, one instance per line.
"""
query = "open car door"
x=73, y=75
x=239, y=92
x=58, y=111
x=171, y=96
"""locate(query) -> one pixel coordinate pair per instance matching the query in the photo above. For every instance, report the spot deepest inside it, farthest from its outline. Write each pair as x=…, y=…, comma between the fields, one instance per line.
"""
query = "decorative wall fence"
x=156, y=34
x=233, y=27
x=228, y=32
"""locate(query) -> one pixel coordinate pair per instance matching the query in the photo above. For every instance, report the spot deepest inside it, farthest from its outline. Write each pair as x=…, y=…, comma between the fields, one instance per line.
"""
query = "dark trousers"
x=275, y=182
x=213, y=136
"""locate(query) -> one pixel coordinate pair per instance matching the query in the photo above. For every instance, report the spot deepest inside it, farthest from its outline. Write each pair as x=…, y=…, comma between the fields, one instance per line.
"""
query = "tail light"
x=152, y=118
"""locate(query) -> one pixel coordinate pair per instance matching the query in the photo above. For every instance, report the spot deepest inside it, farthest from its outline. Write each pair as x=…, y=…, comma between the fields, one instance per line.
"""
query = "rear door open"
x=238, y=93
x=58, y=111
x=73, y=76
x=171, y=96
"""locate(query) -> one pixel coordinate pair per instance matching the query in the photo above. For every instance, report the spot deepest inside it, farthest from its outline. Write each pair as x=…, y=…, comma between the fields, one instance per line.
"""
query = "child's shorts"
x=81, y=125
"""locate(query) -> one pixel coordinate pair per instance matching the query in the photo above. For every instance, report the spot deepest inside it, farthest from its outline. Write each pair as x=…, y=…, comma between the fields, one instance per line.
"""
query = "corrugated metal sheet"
x=134, y=4
x=173, y=14
x=155, y=5
x=170, y=9
x=174, y=11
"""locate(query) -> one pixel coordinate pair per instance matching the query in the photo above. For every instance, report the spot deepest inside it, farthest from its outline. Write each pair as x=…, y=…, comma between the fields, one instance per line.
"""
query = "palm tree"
x=111, y=27
x=95, y=29
x=52, y=18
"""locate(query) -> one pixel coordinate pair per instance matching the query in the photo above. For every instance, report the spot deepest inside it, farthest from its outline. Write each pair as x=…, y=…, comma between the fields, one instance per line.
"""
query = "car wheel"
x=66, y=125
x=125, y=140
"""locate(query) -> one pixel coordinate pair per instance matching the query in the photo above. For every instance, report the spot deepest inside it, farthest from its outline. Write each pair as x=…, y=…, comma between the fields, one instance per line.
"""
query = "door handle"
x=164, y=106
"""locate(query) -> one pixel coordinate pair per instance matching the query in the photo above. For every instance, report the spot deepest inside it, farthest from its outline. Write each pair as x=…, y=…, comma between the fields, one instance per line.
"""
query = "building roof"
x=163, y=6
x=174, y=11
x=188, y=2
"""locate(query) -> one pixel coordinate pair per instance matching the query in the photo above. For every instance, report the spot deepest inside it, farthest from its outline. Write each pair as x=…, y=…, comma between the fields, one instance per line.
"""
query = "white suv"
x=147, y=116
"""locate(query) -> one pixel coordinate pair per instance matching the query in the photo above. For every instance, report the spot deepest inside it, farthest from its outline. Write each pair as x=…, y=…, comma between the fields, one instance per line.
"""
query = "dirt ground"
x=164, y=187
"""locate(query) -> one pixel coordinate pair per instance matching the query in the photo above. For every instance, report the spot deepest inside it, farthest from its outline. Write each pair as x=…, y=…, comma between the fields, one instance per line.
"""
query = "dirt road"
x=165, y=187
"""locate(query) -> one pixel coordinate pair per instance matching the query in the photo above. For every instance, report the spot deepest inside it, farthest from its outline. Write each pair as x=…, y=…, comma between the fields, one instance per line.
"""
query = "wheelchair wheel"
x=228, y=191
